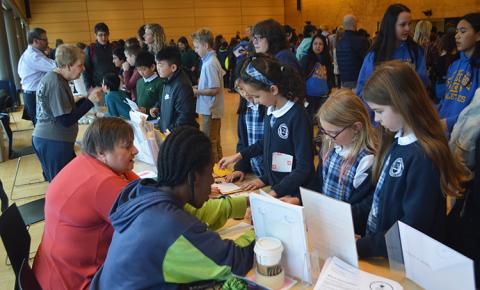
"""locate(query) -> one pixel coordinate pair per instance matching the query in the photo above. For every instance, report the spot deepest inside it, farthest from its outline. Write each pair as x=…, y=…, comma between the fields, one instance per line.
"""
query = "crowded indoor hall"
x=274, y=144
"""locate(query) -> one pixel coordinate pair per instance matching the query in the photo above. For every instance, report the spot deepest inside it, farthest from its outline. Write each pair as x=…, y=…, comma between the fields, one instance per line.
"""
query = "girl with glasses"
x=347, y=153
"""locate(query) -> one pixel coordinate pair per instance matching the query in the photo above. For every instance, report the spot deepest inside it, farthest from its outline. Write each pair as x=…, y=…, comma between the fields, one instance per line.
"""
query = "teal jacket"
x=157, y=244
x=117, y=105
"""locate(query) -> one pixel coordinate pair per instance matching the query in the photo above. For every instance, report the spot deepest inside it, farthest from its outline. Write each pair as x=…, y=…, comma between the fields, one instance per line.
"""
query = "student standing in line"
x=269, y=37
x=209, y=91
x=176, y=106
x=249, y=130
x=189, y=59
x=318, y=70
x=346, y=158
x=414, y=169
x=118, y=57
x=115, y=99
x=98, y=57
x=287, y=143
x=394, y=43
x=130, y=72
x=150, y=86
x=463, y=76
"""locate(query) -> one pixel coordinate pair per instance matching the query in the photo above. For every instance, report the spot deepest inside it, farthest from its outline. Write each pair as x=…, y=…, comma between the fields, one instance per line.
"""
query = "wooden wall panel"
x=73, y=20
x=369, y=12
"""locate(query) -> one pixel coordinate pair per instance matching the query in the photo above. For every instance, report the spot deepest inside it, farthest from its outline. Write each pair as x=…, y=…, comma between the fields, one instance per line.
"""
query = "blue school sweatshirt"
x=410, y=193
x=460, y=88
x=290, y=134
x=401, y=53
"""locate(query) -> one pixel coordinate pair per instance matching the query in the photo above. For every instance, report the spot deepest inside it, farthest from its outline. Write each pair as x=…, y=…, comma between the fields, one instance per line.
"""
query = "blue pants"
x=30, y=105
x=53, y=155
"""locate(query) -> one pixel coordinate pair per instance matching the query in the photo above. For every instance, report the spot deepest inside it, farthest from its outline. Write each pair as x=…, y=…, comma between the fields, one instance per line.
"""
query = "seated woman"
x=157, y=244
x=77, y=227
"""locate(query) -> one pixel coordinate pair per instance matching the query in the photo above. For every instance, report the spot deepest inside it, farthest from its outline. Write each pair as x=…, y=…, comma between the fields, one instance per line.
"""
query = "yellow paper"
x=217, y=172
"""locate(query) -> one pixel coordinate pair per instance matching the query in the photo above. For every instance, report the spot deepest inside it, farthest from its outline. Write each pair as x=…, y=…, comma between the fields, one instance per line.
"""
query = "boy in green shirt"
x=150, y=86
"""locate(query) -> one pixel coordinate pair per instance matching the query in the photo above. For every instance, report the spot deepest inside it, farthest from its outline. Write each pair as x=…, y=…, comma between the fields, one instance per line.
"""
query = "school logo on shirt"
x=396, y=169
x=167, y=96
x=283, y=131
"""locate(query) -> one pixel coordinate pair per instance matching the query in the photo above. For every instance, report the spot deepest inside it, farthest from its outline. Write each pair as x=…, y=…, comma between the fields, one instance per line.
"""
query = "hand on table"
x=235, y=176
x=252, y=185
x=290, y=199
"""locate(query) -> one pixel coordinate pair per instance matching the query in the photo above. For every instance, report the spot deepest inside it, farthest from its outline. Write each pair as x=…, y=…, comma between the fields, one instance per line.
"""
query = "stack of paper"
x=227, y=188
x=336, y=274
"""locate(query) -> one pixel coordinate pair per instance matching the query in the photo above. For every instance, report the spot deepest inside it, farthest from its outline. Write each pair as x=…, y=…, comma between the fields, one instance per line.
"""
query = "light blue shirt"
x=32, y=66
x=211, y=76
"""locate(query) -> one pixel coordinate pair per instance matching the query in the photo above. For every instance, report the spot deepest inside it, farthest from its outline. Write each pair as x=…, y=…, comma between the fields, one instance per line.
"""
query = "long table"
x=377, y=266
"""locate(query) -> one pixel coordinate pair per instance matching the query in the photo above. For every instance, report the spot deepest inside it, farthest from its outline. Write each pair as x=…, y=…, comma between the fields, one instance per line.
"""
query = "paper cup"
x=268, y=251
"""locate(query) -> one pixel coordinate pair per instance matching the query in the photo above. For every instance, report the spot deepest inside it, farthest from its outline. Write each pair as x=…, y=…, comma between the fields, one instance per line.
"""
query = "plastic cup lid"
x=268, y=246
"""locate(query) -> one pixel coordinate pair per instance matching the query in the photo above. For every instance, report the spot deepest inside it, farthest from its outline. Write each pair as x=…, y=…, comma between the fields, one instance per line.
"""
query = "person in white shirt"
x=33, y=65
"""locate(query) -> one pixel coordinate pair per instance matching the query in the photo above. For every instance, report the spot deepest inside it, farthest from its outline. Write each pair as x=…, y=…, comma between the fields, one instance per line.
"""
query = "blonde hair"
x=203, y=35
x=422, y=32
x=159, y=38
x=396, y=84
x=343, y=109
x=67, y=54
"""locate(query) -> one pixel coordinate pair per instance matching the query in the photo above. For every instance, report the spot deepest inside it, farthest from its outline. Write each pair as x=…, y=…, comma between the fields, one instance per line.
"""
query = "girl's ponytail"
x=292, y=85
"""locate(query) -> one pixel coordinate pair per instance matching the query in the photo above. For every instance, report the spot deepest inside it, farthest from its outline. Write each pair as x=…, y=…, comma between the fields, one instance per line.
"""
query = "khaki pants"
x=211, y=128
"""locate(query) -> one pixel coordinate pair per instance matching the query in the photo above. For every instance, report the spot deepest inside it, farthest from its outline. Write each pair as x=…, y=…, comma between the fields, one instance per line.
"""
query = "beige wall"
x=369, y=12
x=73, y=20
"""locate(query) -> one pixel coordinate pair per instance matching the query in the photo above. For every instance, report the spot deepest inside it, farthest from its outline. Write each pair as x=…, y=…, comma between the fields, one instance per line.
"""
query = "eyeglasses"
x=333, y=136
x=44, y=39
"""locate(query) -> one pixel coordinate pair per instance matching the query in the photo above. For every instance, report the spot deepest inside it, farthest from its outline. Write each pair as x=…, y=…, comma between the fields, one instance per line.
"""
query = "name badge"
x=282, y=162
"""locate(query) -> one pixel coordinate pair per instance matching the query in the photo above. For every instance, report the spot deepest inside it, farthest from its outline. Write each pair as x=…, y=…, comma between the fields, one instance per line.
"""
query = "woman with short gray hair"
x=58, y=112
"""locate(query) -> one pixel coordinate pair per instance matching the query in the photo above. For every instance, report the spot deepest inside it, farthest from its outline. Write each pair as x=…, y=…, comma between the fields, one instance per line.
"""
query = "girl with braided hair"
x=158, y=240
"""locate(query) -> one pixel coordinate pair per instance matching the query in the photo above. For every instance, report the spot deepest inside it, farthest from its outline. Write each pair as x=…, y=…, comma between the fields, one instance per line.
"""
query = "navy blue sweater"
x=296, y=140
x=410, y=193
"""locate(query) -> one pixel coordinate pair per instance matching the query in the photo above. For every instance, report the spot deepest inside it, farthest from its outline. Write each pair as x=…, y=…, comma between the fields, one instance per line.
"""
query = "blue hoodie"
x=158, y=245
x=401, y=53
x=459, y=91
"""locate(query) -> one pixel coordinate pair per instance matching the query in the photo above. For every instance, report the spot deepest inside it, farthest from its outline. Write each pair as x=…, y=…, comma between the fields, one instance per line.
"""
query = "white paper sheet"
x=227, y=188
x=132, y=104
x=339, y=275
x=145, y=138
x=235, y=231
x=286, y=222
x=330, y=226
x=433, y=265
